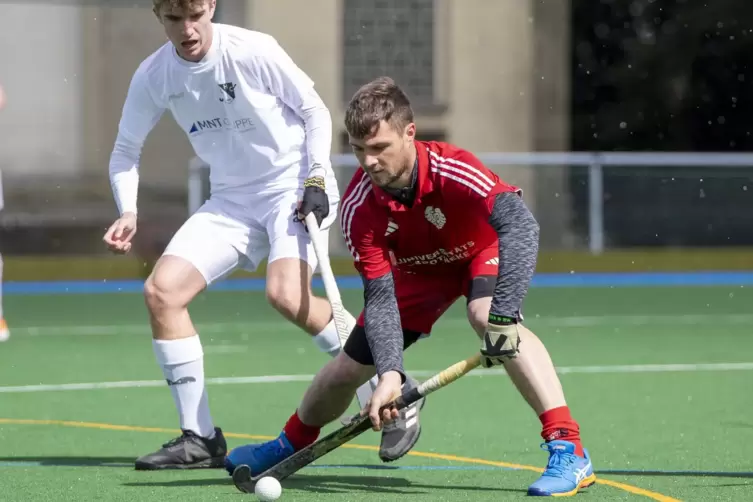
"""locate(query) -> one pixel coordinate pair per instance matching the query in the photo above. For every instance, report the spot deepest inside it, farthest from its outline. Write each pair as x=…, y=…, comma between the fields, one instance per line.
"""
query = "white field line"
x=251, y=326
x=266, y=379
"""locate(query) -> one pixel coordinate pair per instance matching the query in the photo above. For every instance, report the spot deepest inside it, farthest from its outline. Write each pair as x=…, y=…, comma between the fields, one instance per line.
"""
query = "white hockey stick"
x=328, y=277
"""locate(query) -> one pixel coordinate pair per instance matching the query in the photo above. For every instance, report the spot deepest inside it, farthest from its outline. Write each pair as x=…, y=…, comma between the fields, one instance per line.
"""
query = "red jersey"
x=447, y=226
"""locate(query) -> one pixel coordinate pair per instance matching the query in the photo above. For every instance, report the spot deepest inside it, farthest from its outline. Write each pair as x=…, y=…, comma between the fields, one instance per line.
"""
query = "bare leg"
x=533, y=371
x=173, y=284
x=332, y=390
x=289, y=292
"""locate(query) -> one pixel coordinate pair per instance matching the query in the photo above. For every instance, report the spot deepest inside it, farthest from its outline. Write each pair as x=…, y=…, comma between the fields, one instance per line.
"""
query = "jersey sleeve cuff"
x=317, y=170
x=399, y=370
x=375, y=273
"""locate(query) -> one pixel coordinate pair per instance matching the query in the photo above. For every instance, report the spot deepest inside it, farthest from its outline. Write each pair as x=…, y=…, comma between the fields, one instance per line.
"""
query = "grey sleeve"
x=382, y=324
x=518, y=233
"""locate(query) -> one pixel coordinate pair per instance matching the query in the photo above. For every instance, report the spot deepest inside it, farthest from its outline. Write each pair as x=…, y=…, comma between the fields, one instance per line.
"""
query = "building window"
x=393, y=38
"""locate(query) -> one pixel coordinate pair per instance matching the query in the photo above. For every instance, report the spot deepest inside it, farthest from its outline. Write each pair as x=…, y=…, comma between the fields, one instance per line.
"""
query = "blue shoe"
x=565, y=473
x=261, y=456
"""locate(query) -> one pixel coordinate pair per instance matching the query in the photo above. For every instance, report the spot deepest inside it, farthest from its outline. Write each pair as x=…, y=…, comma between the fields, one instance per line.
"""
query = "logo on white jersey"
x=221, y=124
x=435, y=216
x=229, y=89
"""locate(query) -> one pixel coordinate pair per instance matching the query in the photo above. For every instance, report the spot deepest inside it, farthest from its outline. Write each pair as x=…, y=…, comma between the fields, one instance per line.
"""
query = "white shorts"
x=221, y=236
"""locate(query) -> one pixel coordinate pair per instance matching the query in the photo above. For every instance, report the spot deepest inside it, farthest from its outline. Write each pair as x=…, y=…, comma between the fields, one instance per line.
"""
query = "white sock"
x=329, y=343
x=182, y=363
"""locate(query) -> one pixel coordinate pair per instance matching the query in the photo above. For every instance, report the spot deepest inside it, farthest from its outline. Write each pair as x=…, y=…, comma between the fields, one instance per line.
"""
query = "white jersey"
x=248, y=110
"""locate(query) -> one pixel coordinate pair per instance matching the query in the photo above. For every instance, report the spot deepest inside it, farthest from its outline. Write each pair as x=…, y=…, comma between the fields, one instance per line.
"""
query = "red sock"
x=299, y=434
x=558, y=424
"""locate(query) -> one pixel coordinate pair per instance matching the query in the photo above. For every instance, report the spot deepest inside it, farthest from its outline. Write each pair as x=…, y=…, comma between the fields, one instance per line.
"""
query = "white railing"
x=595, y=161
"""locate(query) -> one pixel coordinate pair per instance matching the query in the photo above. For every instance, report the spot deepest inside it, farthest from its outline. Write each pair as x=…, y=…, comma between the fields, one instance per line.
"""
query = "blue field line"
x=375, y=467
x=572, y=280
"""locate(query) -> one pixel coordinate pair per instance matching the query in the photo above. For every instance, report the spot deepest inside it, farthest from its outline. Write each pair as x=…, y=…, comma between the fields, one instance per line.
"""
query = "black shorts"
x=357, y=347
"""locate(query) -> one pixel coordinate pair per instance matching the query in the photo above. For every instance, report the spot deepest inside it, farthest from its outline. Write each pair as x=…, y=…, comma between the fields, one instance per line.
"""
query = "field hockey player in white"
x=255, y=118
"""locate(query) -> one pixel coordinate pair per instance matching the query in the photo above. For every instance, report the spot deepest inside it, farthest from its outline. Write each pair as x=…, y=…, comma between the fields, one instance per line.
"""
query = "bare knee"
x=157, y=293
x=288, y=287
x=172, y=285
x=478, y=314
x=287, y=299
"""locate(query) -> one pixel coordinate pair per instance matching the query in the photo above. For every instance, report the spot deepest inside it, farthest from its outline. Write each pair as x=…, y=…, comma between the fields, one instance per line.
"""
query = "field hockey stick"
x=328, y=277
x=245, y=482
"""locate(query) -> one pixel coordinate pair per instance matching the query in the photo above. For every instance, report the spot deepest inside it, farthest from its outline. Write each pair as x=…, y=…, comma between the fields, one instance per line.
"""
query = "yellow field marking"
x=436, y=456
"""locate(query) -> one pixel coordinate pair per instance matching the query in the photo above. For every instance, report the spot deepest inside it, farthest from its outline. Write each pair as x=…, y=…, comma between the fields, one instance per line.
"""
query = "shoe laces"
x=272, y=448
x=180, y=439
x=560, y=462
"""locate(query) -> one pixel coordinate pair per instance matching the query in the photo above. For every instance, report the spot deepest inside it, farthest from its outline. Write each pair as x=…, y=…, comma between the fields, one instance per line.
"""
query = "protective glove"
x=501, y=340
x=315, y=198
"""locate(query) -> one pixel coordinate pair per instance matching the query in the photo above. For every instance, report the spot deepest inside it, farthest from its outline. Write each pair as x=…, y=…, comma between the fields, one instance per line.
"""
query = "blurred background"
x=626, y=122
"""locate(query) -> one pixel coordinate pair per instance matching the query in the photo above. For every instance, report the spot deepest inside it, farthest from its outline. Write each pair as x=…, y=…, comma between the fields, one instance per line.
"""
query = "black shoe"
x=187, y=451
x=399, y=436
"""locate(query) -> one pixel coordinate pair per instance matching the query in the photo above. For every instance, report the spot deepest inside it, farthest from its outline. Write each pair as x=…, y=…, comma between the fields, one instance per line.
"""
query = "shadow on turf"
x=70, y=461
x=336, y=484
x=687, y=474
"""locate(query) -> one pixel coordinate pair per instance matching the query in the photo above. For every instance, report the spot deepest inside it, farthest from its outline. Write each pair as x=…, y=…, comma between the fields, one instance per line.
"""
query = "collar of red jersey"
x=425, y=184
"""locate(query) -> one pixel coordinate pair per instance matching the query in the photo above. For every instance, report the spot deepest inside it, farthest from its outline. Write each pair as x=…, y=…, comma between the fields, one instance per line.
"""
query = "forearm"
x=318, y=124
x=382, y=324
x=140, y=115
x=124, y=175
x=518, y=234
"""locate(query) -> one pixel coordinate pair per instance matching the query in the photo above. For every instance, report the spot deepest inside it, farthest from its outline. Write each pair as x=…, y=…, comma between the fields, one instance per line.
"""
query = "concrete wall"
x=118, y=39
x=41, y=70
x=501, y=71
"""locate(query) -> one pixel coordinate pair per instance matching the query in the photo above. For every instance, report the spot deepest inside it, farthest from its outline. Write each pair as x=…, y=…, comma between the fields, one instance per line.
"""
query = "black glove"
x=501, y=341
x=315, y=199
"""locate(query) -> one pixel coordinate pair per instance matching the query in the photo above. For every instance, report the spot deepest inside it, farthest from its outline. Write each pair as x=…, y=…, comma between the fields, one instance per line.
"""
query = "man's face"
x=190, y=29
x=385, y=155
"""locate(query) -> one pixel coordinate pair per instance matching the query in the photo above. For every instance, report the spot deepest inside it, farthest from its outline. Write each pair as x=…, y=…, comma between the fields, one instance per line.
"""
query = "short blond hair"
x=175, y=4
